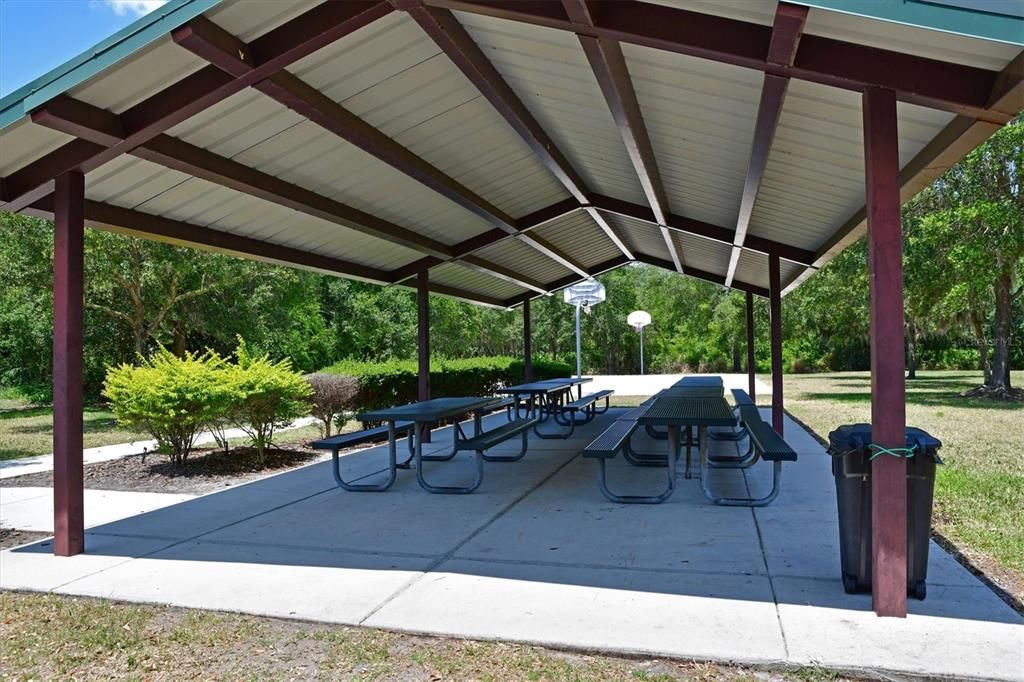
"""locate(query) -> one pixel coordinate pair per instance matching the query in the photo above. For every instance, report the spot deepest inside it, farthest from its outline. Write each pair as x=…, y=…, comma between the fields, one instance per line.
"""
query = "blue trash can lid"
x=858, y=437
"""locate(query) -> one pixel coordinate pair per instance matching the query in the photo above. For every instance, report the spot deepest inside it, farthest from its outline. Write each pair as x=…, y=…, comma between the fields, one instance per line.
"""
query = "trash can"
x=850, y=447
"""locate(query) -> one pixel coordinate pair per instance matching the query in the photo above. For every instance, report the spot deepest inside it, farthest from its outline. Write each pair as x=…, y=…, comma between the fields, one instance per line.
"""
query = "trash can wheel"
x=849, y=583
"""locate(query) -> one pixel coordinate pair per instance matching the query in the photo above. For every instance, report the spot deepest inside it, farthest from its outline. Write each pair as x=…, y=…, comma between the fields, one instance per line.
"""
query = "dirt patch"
x=9, y=537
x=204, y=471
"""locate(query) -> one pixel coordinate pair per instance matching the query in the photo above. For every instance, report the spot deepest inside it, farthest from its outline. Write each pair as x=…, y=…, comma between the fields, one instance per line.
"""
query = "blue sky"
x=38, y=35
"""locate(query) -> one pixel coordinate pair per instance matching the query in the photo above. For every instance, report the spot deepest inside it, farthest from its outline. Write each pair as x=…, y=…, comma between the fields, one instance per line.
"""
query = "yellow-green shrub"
x=265, y=395
x=172, y=398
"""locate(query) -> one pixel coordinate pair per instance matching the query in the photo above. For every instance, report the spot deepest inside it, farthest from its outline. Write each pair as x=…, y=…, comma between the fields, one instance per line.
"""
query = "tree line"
x=963, y=263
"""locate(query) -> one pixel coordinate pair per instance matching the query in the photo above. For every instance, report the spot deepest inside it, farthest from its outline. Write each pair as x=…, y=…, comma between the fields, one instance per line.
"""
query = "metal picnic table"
x=544, y=399
x=424, y=413
x=674, y=411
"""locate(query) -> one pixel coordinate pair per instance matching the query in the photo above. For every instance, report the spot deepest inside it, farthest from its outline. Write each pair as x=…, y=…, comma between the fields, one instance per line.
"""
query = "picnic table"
x=544, y=399
x=422, y=414
x=675, y=411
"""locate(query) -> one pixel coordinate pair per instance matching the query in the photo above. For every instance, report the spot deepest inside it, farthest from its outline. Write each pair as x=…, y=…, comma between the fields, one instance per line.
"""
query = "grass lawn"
x=979, y=493
x=27, y=430
x=54, y=637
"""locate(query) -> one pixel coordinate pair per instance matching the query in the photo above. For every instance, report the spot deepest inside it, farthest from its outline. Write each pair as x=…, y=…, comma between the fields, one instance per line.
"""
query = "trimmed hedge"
x=386, y=384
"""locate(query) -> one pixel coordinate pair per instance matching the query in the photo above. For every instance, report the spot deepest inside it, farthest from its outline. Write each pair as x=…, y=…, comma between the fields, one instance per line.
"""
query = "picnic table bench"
x=768, y=446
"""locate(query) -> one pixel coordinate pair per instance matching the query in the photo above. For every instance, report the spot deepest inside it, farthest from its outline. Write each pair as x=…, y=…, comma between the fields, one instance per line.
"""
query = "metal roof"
x=509, y=148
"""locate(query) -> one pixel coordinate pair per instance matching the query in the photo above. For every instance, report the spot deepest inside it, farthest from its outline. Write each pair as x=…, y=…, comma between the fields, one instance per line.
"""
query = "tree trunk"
x=180, y=338
x=735, y=358
x=911, y=357
x=999, y=376
x=979, y=337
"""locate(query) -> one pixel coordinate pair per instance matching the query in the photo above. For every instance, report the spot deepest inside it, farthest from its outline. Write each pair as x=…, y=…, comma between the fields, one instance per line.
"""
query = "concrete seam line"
x=764, y=557
x=415, y=579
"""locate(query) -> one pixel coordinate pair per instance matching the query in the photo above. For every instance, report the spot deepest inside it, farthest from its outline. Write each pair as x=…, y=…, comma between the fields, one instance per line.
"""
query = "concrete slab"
x=287, y=582
x=32, y=508
x=957, y=632
x=649, y=612
x=538, y=555
x=34, y=567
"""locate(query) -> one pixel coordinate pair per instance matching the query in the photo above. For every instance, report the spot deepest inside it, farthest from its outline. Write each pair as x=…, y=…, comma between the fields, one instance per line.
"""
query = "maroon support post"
x=888, y=408
x=775, y=306
x=423, y=339
x=527, y=343
x=69, y=232
x=751, y=364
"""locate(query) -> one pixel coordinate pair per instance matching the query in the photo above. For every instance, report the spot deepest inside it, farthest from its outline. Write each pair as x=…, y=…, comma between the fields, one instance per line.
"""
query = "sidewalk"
x=30, y=465
x=32, y=508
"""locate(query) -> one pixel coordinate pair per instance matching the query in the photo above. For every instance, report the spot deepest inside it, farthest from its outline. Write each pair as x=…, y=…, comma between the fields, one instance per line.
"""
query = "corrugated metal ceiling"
x=700, y=116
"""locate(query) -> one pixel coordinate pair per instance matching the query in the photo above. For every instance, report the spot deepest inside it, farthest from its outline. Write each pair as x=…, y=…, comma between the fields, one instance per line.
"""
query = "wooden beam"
x=786, y=32
x=148, y=226
x=68, y=292
x=751, y=361
x=888, y=400
x=527, y=343
x=775, y=308
x=423, y=345
x=948, y=86
x=569, y=280
x=102, y=127
x=609, y=67
x=701, y=229
x=502, y=273
x=277, y=48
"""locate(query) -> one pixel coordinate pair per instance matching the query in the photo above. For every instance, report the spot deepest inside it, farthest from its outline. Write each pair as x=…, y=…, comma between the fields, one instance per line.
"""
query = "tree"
x=976, y=226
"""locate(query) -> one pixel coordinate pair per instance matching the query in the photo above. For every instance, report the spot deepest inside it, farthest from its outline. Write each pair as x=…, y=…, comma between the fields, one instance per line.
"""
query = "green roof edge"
x=128, y=40
x=940, y=16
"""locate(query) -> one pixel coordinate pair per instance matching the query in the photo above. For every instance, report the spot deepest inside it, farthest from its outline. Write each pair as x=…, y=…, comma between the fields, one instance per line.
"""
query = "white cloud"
x=135, y=7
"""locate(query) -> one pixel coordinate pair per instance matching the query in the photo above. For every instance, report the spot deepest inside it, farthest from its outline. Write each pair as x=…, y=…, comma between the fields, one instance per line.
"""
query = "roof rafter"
x=609, y=67
x=225, y=51
x=786, y=32
x=927, y=82
x=706, y=276
x=707, y=230
x=150, y=226
x=454, y=40
x=104, y=128
x=278, y=48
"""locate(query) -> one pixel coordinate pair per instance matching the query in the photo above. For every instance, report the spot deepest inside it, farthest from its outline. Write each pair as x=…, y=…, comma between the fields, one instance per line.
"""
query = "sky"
x=39, y=35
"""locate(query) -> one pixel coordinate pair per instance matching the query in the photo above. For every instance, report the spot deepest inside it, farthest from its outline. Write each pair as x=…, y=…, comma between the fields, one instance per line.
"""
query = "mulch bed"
x=204, y=471
x=10, y=537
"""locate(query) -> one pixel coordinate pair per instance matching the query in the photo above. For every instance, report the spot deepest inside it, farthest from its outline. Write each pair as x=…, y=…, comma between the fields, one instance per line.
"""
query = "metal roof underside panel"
x=549, y=72
x=420, y=100
x=700, y=117
x=461, y=277
x=133, y=183
x=814, y=180
x=524, y=260
x=642, y=237
x=578, y=235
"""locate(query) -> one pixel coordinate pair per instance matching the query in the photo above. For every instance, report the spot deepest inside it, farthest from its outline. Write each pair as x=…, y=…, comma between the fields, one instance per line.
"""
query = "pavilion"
x=496, y=151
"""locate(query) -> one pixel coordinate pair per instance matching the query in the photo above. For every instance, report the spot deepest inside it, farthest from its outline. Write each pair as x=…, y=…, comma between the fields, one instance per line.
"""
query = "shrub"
x=331, y=395
x=385, y=384
x=265, y=396
x=172, y=398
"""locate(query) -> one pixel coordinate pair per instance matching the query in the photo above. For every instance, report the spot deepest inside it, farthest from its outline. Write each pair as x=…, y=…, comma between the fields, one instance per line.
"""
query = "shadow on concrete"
x=540, y=520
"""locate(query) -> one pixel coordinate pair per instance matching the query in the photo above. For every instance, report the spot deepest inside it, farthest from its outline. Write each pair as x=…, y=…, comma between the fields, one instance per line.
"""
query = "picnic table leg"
x=369, y=487
x=673, y=449
x=447, y=489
